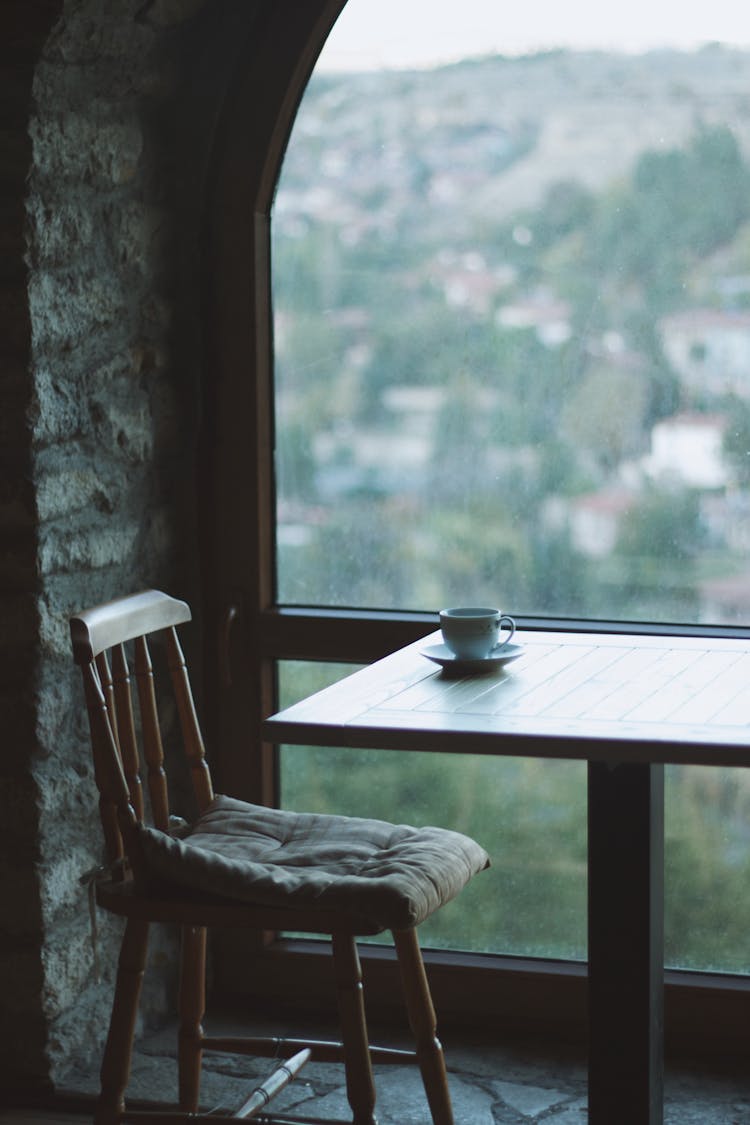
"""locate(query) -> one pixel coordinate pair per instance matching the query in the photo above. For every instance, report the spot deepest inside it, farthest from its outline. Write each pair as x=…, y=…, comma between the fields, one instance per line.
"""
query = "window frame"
x=239, y=611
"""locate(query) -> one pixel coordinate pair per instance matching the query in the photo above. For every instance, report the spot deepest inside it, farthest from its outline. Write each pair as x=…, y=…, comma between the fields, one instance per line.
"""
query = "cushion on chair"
x=391, y=875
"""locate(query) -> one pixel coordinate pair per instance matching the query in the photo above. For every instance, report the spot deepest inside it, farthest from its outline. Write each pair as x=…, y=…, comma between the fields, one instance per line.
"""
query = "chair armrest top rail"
x=94, y=630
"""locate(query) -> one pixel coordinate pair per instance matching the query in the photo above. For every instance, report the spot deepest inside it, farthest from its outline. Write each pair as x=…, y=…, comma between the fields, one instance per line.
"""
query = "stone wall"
x=105, y=135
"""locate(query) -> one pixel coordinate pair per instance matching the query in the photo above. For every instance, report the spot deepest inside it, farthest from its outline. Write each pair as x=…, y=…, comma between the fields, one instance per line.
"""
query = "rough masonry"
x=105, y=126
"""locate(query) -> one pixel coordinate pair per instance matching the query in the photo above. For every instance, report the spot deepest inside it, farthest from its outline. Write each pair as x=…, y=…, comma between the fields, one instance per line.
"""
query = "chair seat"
x=390, y=876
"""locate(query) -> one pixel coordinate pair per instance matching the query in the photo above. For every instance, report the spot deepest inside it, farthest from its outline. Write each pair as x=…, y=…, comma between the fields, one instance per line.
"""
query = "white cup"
x=473, y=632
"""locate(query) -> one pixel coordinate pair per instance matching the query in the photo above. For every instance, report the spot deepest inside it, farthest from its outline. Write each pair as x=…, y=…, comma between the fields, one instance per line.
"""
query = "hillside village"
x=495, y=226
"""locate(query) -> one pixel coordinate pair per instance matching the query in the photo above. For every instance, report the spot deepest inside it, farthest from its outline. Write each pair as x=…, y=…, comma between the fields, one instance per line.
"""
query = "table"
x=625, y=704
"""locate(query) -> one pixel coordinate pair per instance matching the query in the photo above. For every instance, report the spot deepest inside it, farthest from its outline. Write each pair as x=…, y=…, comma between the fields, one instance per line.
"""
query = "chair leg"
x=423, y=1025
x=192, y=1006
x=360, y=1086
x=115, y=1069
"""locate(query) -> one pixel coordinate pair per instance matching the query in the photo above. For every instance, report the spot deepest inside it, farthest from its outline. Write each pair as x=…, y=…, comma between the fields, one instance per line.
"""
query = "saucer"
x=442, y=655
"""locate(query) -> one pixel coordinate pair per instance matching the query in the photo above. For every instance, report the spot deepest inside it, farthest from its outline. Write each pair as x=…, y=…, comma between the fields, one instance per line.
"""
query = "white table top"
x=591, y=696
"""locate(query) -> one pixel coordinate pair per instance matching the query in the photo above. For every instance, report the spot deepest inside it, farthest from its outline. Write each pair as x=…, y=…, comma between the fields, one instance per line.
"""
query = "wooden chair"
x=273, y=870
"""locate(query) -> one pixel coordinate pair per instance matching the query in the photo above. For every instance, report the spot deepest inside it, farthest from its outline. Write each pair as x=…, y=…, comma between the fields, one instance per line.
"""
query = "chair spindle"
x=152, y=744
x=114, y=799
x=126, y=728
x=107, y=686
x=191, y=736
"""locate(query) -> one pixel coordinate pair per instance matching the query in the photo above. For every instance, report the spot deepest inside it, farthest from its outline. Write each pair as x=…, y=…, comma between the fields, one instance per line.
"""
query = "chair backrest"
x=99, y=636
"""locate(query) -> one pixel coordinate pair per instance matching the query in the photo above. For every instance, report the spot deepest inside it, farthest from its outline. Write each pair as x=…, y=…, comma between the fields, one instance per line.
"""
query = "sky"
x=371, y=34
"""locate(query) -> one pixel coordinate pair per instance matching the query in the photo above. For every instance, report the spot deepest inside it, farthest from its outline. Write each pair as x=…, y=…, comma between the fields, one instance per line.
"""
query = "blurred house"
x=686, y=449
x=596, y=518
x=709, y=349
x=549, y=318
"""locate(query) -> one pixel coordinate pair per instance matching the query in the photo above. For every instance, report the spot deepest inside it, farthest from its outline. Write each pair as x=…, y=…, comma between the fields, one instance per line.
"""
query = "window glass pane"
x=512, y=314
x=511, y=282
x=529, y=815
x=707, y=867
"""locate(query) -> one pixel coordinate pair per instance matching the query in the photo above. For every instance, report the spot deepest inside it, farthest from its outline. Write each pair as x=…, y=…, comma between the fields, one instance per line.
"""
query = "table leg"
x=626, y=943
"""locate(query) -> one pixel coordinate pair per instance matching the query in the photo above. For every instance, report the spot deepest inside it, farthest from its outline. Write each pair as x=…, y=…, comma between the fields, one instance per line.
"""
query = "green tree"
x=663, y=385
x=664, y=527
x=679, y=206
x=593, y=424
x=567, y=207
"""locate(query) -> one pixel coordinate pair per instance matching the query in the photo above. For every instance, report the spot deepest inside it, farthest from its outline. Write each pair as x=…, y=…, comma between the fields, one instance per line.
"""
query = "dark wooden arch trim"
x=270, y=75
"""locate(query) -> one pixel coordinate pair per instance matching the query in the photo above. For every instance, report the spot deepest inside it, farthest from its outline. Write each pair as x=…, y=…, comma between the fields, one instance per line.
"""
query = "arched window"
x=482, y=277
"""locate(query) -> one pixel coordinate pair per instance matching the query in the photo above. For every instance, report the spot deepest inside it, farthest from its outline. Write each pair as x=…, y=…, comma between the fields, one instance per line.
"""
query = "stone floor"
x=491, y=1084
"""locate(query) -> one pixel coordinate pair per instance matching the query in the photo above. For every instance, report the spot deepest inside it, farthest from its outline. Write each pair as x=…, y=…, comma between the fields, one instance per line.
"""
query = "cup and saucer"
x=471, y=640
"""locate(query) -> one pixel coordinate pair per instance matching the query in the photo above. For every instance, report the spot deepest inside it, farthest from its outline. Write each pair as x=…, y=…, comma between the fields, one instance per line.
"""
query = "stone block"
x=63, y=550
x=66, y=307
x=67, y=960
x=95, y=30
x=55, y=639
x=79, y=1033
x=62, y=744
x=54, y=229
x=69, y=814
x=61, y=893
x=119, y=376
x=123, y=426
x=68, y=856
x=56, y=410
x=64, y=488
x=87, y=148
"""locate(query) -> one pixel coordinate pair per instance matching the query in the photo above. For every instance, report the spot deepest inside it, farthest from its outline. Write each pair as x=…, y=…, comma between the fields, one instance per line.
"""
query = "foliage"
x=665, y=527
x=589, y=421
x=650, y=230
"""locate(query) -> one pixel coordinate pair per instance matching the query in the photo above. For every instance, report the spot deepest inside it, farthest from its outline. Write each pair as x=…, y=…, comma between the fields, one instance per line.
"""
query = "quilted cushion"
x=391, y=875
